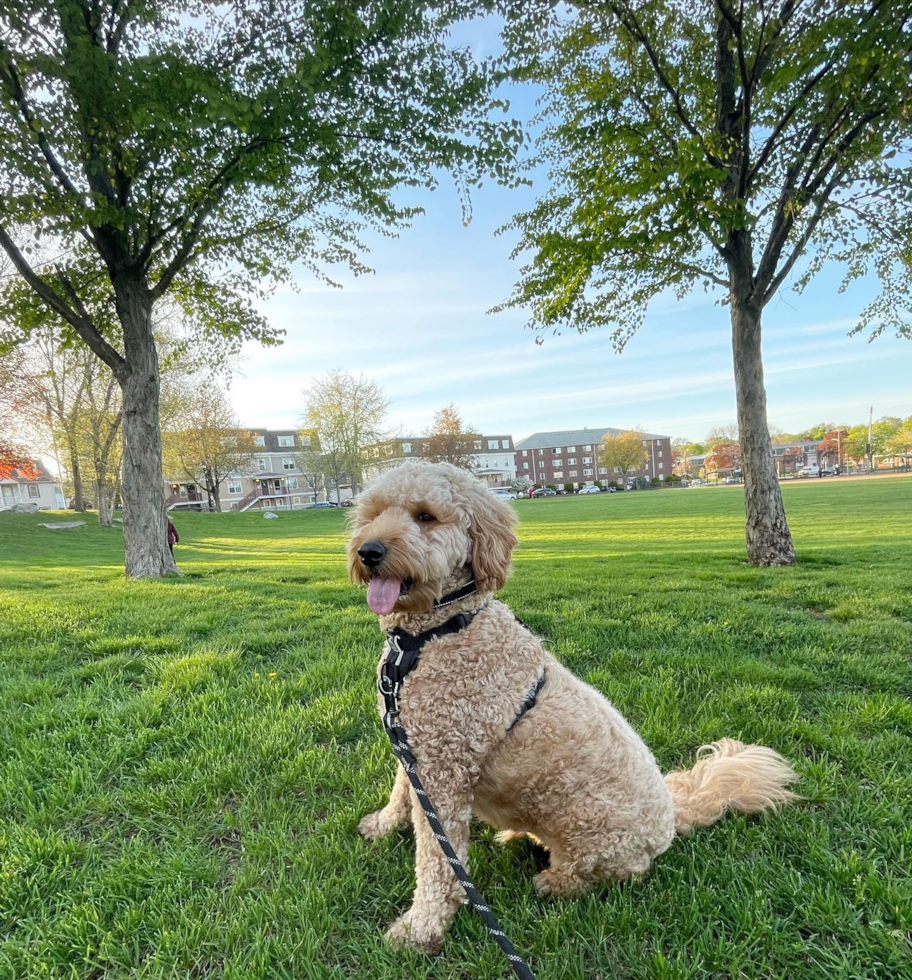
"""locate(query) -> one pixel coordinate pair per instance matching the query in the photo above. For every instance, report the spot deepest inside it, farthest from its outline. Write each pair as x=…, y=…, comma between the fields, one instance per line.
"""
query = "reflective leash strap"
x=399, y=740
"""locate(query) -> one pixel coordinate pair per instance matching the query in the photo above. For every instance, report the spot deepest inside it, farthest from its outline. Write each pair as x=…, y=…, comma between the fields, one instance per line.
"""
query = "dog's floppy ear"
x=491, y=528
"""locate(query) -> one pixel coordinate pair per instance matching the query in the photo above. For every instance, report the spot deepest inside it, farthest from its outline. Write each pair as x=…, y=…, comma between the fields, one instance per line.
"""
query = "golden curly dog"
x=572, y=774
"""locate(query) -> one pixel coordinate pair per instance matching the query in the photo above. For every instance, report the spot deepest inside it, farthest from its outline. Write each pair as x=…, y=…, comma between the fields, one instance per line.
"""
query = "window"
x=587, y=472
x=557, y=462
x=291, y=482
x=558, y=475
x=587, y=459
x=261, y=465
x=288, y=464
x=660, y=454
x=235, y=487
x=571, y=449
x=572, y=473
x=555, y=452
x=572, y=462
x=286, y=441
x=524, y=453
x=296, y=501
x=259, y=440
x=541, y=452
x=504, y=443
x=34, y=490
x=525, y=466
x=478, y=443
x=587, y=449
x=603, y=469
x=406, y=447
x=305, y=440
x=493, y=444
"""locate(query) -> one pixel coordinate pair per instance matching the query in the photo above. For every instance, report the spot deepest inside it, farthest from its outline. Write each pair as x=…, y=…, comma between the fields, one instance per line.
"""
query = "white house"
x=38, y=492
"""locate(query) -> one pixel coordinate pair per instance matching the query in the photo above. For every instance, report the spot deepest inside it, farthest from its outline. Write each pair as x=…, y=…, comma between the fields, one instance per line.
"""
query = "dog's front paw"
x=375, y=825
x=413, y=930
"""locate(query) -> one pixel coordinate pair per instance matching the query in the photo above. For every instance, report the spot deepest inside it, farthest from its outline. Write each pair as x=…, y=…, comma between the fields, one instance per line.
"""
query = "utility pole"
x=870, y=446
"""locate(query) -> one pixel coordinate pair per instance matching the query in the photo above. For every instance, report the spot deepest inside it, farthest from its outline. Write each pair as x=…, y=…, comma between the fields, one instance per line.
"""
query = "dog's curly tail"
x=729, y=776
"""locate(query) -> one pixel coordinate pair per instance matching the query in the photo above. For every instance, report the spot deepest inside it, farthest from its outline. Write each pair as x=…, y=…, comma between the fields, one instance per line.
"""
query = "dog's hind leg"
x=396, y=813
x=565, y=876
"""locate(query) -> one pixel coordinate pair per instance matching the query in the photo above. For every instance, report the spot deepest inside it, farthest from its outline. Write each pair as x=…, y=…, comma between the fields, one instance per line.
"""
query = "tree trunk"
x=145, y=522
x=76, y=472
x=103, y=497
x=769, y=541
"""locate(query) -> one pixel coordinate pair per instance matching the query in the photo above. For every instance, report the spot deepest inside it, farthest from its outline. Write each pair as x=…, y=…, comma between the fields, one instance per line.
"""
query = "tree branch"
x=802, y=242
x=10, y=77
x=81, y=324
x=628, y=19
x=783, y=222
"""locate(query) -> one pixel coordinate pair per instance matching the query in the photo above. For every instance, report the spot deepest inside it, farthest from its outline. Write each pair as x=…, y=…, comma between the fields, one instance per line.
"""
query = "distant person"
x=173, y=536
x=531, y=491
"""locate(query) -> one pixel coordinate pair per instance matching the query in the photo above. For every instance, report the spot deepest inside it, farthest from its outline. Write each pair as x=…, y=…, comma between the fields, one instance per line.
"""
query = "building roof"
x=573, y=437
x=271, y=439
x=17, y=476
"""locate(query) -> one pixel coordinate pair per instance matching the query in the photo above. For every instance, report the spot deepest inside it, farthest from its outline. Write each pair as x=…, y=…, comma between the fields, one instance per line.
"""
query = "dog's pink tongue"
x=382, y=594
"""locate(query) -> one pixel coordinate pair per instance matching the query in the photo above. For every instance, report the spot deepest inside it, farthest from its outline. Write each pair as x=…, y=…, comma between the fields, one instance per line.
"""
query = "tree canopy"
x=14, y=457
x=450, y=440
x=623, y=452
x=345, y=414
x=656, y=160
x=207, y=149
x=210, y=443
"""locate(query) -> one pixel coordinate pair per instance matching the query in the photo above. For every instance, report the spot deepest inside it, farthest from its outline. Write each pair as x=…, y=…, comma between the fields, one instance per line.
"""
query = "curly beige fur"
x=572, y=774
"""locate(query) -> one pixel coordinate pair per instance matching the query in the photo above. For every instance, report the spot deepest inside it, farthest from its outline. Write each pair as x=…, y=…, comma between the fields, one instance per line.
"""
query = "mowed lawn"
x=183, y=763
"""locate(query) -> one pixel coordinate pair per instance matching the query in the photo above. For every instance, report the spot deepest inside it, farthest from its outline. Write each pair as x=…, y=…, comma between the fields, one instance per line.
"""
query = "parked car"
x=348, y=502
x=590, y=490
x=321, y=504
x=544, y=492
x=609, y=489
x=503, y=493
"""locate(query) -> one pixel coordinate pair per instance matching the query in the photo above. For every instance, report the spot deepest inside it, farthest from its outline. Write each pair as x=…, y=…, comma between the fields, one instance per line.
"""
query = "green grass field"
x=184, y=762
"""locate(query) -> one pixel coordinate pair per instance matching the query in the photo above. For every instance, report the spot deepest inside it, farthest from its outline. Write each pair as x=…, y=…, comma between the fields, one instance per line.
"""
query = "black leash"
x=404, y=649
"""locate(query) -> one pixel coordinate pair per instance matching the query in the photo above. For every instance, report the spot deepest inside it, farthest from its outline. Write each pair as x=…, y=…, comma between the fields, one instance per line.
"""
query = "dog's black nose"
x=371, y=553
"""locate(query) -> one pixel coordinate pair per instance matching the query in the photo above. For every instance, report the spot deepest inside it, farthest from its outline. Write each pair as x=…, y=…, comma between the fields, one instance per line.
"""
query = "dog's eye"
x=424, y=516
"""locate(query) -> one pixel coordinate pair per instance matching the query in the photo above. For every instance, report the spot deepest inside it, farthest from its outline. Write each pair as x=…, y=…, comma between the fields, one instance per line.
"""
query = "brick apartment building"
x=494, y=457
x=571, y=456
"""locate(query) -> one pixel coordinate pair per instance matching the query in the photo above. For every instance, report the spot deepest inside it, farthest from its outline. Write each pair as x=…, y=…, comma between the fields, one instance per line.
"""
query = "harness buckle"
x=394, y=644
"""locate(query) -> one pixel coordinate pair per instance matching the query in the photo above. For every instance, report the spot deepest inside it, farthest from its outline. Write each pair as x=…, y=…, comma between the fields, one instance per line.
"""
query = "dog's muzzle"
x=372, y=553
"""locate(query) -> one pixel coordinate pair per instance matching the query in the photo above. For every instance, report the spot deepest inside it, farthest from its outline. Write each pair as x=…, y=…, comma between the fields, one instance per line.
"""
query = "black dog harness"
x=401, y=660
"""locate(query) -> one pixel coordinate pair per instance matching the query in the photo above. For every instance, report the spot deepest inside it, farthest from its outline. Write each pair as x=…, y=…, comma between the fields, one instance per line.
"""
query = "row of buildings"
x=277, y=480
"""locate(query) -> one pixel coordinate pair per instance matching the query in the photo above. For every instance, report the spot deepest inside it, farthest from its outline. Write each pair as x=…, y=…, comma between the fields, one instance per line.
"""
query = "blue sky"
x=419, y=326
